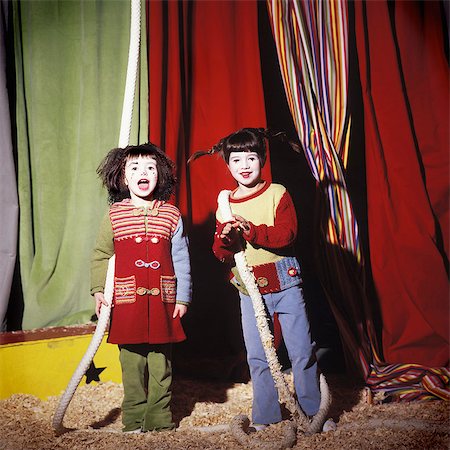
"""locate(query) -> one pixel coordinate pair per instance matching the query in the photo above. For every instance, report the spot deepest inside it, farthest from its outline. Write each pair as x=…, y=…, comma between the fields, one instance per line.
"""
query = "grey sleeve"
x=182, y=264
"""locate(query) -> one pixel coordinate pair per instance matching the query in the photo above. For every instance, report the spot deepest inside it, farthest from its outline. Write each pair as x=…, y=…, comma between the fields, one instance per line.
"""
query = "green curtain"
x=71, y=62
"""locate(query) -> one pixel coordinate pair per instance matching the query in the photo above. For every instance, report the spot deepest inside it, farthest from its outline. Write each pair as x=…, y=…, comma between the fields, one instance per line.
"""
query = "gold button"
x=138, y=240
x=154, y=212
x=262, y=281
x=141, y=291
x=155, y=240
x=154, y=291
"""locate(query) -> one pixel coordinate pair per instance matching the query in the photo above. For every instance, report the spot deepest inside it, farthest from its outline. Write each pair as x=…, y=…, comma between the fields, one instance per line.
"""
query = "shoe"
x=160, y=430
x=329, y=425
x=256, y=427
x=138, y=430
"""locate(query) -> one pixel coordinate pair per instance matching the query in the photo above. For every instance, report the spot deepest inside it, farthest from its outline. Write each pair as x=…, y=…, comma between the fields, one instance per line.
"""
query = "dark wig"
x=112, y=171
x=245, y=140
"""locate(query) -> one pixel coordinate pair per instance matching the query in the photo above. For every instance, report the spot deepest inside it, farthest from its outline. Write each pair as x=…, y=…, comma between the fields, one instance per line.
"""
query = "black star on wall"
x=92, y=374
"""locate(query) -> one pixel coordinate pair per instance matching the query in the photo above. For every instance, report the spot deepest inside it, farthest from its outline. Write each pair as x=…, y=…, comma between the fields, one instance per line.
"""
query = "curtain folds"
x=311, y=40
x=71, y=60
x=8, y=186
x=404, y=77
x=205, y=83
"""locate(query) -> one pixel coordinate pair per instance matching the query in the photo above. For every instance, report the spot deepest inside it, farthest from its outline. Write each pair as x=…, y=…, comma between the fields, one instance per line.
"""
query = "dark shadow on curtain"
x=343, y=280
x=14, y=313
x=356, y=174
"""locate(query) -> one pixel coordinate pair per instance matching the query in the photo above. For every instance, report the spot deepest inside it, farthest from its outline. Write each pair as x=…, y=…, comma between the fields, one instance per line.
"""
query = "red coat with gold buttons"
x=144, y=283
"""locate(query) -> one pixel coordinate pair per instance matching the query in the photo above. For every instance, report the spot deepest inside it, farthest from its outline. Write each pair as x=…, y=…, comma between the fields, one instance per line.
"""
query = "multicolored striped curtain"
x=311, y=39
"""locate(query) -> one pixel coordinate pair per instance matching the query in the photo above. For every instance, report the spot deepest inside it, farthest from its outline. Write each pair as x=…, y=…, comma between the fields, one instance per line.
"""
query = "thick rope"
x=284, y=394
x=132, y=71
x=90, y=352
x=124, y=138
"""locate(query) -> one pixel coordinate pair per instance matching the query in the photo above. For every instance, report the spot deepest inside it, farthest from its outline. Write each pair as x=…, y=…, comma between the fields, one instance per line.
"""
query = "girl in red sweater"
x=265, y=226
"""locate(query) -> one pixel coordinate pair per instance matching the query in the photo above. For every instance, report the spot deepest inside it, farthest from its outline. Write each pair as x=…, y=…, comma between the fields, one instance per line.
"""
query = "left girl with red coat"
x=152, y=279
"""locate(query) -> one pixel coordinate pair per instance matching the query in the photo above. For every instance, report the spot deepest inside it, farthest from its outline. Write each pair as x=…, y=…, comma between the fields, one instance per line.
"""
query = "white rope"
x=262, y=323
x=132, y=71
x=124, y=138
x=90, y=352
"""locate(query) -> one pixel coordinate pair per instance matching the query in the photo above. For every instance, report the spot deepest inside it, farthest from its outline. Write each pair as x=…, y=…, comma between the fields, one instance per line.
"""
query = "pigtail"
x=214, y=149
x=282, y=137
x=197, y=155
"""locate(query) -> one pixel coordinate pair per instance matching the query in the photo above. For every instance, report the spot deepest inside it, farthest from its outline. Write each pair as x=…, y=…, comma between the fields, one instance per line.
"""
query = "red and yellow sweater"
x=269, y=245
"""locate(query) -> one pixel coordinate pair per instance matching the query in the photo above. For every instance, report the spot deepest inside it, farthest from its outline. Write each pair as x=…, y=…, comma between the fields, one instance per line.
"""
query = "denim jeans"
x=290, y=307
x=146, y=406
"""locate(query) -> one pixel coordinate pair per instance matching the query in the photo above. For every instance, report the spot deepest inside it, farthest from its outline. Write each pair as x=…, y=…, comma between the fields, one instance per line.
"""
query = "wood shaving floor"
x=203, y=409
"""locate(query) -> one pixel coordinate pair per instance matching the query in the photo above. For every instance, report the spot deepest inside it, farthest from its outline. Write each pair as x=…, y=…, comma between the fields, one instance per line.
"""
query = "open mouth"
x=143, y=183
x=245, y=174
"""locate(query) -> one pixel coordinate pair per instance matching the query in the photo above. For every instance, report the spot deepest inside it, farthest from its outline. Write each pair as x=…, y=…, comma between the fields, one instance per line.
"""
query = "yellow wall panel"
x=44, y=367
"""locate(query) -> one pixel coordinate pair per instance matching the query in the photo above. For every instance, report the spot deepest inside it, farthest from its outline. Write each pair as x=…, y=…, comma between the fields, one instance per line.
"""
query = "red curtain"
x=205, y=82
x=404, y=77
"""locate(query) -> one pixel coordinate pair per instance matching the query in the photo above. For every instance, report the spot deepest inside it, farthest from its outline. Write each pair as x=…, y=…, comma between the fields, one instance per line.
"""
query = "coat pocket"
x=124, y=290
x=168, y=288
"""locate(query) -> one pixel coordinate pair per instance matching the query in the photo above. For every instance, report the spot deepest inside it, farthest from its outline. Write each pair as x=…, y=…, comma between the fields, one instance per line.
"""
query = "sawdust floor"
x=94, y=414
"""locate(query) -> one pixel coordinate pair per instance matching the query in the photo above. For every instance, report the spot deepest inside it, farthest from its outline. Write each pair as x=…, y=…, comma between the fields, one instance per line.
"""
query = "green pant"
x=146, y=407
